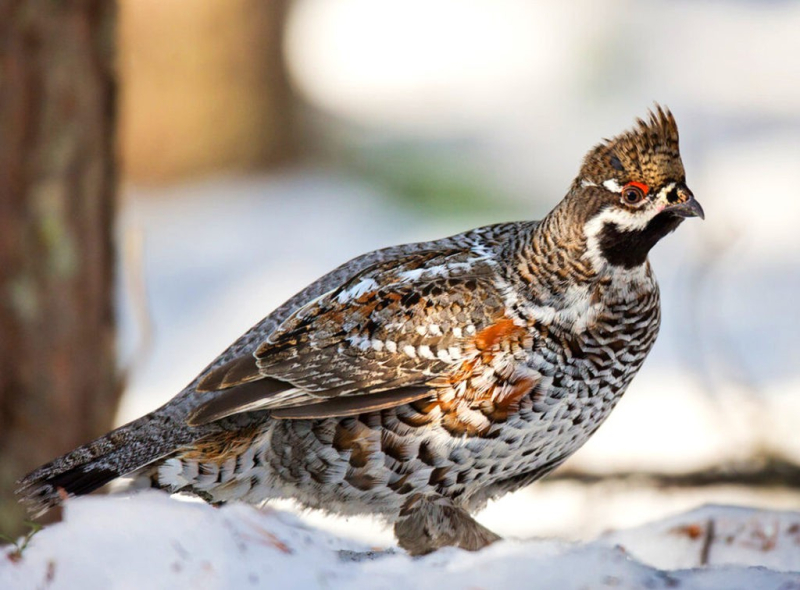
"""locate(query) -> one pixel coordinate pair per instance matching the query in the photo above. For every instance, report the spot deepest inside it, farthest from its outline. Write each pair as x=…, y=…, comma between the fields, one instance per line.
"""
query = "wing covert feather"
x=380, y=339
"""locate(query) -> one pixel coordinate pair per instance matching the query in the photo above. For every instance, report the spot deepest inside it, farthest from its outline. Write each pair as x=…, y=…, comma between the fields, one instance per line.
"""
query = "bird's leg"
x=428, y=522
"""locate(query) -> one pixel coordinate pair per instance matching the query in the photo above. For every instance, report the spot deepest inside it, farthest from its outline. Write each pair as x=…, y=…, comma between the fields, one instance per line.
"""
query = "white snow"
x=726, y=534
x=149, y=540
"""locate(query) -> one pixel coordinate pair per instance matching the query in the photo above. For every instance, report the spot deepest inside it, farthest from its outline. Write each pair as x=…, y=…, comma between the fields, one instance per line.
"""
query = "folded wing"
x=380, y=340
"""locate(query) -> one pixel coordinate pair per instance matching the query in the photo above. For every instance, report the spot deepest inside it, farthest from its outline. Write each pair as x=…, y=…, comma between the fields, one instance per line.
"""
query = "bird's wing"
x=379, y=340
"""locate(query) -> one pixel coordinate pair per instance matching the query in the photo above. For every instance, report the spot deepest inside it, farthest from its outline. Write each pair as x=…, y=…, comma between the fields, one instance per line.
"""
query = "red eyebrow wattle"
x=640, y=185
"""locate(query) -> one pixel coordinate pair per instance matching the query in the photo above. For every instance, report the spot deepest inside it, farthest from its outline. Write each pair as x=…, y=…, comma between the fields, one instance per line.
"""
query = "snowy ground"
x=152, y=541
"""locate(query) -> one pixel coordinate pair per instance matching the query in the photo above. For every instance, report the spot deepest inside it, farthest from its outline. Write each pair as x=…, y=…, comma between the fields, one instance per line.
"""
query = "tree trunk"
x=58, y=383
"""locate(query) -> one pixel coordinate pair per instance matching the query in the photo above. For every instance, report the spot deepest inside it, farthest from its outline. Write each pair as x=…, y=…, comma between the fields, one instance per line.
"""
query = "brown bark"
x=58, y=385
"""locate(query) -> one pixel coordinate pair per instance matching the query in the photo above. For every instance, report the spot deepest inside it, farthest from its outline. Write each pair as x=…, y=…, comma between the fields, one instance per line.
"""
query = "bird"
x=420, y=381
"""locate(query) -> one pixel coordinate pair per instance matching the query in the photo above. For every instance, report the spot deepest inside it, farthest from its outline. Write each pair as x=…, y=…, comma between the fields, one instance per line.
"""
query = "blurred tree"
x=58, y=382
x=205, y=88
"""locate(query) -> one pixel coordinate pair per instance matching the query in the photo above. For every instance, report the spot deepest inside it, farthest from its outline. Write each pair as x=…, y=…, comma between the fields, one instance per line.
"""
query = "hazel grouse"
x=419, y=381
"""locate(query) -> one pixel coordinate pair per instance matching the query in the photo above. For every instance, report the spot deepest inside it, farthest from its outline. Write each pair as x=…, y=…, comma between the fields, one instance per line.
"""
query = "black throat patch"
x=629, y=249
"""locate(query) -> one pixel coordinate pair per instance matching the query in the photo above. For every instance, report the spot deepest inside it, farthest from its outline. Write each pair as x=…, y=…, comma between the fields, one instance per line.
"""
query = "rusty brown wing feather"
x=370, y=344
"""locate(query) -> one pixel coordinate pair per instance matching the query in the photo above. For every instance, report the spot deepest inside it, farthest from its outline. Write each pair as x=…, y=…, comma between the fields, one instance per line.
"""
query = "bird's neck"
x=553, y=261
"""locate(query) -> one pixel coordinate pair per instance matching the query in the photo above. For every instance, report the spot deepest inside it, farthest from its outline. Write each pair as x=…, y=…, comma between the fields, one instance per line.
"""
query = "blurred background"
x=260, y=144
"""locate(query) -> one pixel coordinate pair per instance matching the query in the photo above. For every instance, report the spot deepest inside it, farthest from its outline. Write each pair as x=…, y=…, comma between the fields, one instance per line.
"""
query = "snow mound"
x=152, y=541
x=716, y=535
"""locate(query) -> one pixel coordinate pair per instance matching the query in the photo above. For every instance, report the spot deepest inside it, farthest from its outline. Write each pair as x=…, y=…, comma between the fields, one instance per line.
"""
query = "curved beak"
x=681, y=202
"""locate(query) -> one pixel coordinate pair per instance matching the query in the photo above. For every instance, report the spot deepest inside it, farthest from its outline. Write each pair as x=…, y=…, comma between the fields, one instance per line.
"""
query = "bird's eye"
x=634, y=192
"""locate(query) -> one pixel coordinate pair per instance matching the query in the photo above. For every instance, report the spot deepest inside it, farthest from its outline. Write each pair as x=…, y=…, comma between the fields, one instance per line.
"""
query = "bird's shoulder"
x=427, y=292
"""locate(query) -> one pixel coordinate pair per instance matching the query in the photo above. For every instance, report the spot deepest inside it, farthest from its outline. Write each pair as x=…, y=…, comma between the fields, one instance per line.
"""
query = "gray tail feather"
x=91, y=466
x=41, y=492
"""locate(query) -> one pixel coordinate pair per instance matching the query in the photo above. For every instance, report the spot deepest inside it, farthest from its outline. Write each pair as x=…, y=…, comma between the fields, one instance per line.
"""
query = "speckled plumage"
x=419, y=381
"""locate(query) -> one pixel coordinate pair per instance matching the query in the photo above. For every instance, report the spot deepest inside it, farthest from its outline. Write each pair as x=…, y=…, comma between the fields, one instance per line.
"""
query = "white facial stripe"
x=624, y=220
x=662, y=194
x=612, y=185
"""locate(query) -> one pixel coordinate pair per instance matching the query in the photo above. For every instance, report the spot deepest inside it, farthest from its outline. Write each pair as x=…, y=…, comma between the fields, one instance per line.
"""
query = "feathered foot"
x=429, y=522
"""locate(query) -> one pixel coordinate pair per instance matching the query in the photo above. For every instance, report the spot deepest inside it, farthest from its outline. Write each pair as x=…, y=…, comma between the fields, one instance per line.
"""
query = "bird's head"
x=632, y=192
